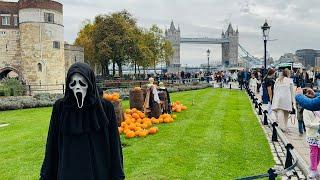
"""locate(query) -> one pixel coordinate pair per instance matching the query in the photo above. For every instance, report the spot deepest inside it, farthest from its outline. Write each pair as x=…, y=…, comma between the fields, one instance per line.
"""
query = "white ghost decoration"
x=79, y=86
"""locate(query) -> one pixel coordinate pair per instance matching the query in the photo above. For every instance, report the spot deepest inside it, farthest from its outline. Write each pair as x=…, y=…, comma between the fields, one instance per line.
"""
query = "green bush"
x=12, y=87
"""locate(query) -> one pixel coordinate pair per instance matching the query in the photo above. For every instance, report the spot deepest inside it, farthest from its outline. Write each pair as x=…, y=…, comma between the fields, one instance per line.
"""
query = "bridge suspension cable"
x=248, y=58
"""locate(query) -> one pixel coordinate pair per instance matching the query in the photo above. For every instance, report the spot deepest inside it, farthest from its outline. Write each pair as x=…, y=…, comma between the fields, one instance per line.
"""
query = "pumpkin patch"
x=111, y=97
x=136, y=124
x=178, y=107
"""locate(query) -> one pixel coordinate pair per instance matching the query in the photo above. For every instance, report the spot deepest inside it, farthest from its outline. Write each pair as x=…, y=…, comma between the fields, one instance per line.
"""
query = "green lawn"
x=216, y=138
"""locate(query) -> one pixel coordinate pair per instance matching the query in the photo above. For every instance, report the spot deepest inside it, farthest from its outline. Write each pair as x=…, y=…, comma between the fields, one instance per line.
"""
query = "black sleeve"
x=269, y=83
x=49, y=167
x=115, y=145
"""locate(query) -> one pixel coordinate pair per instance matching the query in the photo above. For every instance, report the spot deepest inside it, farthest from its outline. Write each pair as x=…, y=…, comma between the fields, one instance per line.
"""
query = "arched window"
x=39, y=67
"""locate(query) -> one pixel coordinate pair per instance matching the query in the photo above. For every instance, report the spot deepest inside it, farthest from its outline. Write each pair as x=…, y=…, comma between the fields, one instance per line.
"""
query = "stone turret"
x=32, y=43
x=230, y=49
x=173, y=35
x=41, y=41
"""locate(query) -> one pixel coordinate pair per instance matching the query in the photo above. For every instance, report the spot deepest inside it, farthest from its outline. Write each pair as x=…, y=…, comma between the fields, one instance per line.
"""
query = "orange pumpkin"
x=142, y=134
x=137, y=88
x=123, y=124
x=160, y=120
x=130, y=134
x=153, y=130
x=174, y=116
x=141, y=115
x=135, y=115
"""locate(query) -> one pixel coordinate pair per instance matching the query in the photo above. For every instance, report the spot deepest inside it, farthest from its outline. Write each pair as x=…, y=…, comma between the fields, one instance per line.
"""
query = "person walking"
x=283, y=99
x=312, y=123
x=268, y=86
x=253, y=83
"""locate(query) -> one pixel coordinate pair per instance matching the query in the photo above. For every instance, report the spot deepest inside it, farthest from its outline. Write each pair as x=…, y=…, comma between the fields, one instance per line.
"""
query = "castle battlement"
x=32, y=42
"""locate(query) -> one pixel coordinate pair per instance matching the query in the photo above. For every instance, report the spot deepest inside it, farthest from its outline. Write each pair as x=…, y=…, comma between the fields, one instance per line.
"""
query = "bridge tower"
x=230, y=49
x=173, y=35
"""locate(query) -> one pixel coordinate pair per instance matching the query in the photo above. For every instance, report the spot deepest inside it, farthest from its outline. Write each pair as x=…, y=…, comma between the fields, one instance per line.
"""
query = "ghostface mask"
x=79, y=86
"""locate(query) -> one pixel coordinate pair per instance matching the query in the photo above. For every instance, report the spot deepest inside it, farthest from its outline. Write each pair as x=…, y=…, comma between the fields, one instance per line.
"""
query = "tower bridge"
x=204, y=40
x=229, y=41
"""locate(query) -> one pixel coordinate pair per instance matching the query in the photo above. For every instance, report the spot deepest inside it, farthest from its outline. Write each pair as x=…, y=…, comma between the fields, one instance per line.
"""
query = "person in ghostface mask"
x=83, y=140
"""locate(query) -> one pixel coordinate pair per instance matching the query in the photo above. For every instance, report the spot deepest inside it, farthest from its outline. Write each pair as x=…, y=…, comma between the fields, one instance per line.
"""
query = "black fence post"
x=272, y=175
x=230, y=85
x=289, y=158
x=256, y=103
x=62, y=88
x=265, y=118
x=274, y=132
x=260, y=109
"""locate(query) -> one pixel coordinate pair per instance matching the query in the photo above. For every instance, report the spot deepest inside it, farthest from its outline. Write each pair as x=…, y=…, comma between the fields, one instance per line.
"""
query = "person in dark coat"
x=82, y=143
x=166, y=106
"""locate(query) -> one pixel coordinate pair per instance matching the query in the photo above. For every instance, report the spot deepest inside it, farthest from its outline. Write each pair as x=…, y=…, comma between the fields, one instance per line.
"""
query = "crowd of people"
x=291, y=92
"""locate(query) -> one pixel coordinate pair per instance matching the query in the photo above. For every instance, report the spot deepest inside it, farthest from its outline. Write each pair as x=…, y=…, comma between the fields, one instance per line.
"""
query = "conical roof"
x=230, y=29
x=172, y=27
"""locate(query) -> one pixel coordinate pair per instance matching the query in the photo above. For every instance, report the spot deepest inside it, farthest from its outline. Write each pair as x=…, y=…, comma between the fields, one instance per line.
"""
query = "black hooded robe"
x=83, y=144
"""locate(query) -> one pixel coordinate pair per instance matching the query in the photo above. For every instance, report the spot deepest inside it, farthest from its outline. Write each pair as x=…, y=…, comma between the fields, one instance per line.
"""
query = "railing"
x=291, y=158
x=45, y=88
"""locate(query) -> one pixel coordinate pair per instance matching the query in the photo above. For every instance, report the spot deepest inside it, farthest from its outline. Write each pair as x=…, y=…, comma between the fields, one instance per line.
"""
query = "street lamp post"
x=265, y=32
x=208, y=53
x=208, y=71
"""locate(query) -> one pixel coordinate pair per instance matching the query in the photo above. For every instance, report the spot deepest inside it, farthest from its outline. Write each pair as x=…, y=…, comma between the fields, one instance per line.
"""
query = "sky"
x=295, y=24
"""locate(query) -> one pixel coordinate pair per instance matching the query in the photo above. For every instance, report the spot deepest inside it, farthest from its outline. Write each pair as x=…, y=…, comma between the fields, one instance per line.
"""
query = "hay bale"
x=163, y=97
x=136, y=99
x=118, y=110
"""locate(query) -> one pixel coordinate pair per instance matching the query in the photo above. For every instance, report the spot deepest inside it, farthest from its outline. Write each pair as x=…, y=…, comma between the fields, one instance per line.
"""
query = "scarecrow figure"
x=83, y=140
x=152, y=102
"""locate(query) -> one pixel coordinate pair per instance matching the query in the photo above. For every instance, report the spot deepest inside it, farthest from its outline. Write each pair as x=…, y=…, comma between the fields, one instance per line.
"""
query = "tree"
x=166, y=52
x=115, y=38
x=84, y=39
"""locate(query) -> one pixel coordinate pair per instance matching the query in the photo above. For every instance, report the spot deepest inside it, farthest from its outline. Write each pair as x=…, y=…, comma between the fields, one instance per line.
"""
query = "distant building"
x=173, y=35
x=308, y=56
x=288, y=57
x=230, y=49
x=32, y=42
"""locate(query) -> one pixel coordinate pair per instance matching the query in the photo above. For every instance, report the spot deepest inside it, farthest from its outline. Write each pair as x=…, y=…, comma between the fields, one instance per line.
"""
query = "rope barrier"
x=291, y=159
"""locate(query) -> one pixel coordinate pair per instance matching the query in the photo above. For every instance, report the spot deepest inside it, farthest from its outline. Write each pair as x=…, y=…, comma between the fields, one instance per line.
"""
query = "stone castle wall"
x=10, y=51
x=36, y=41
x=35, y=49
x=72, y=54
x=233, y=50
